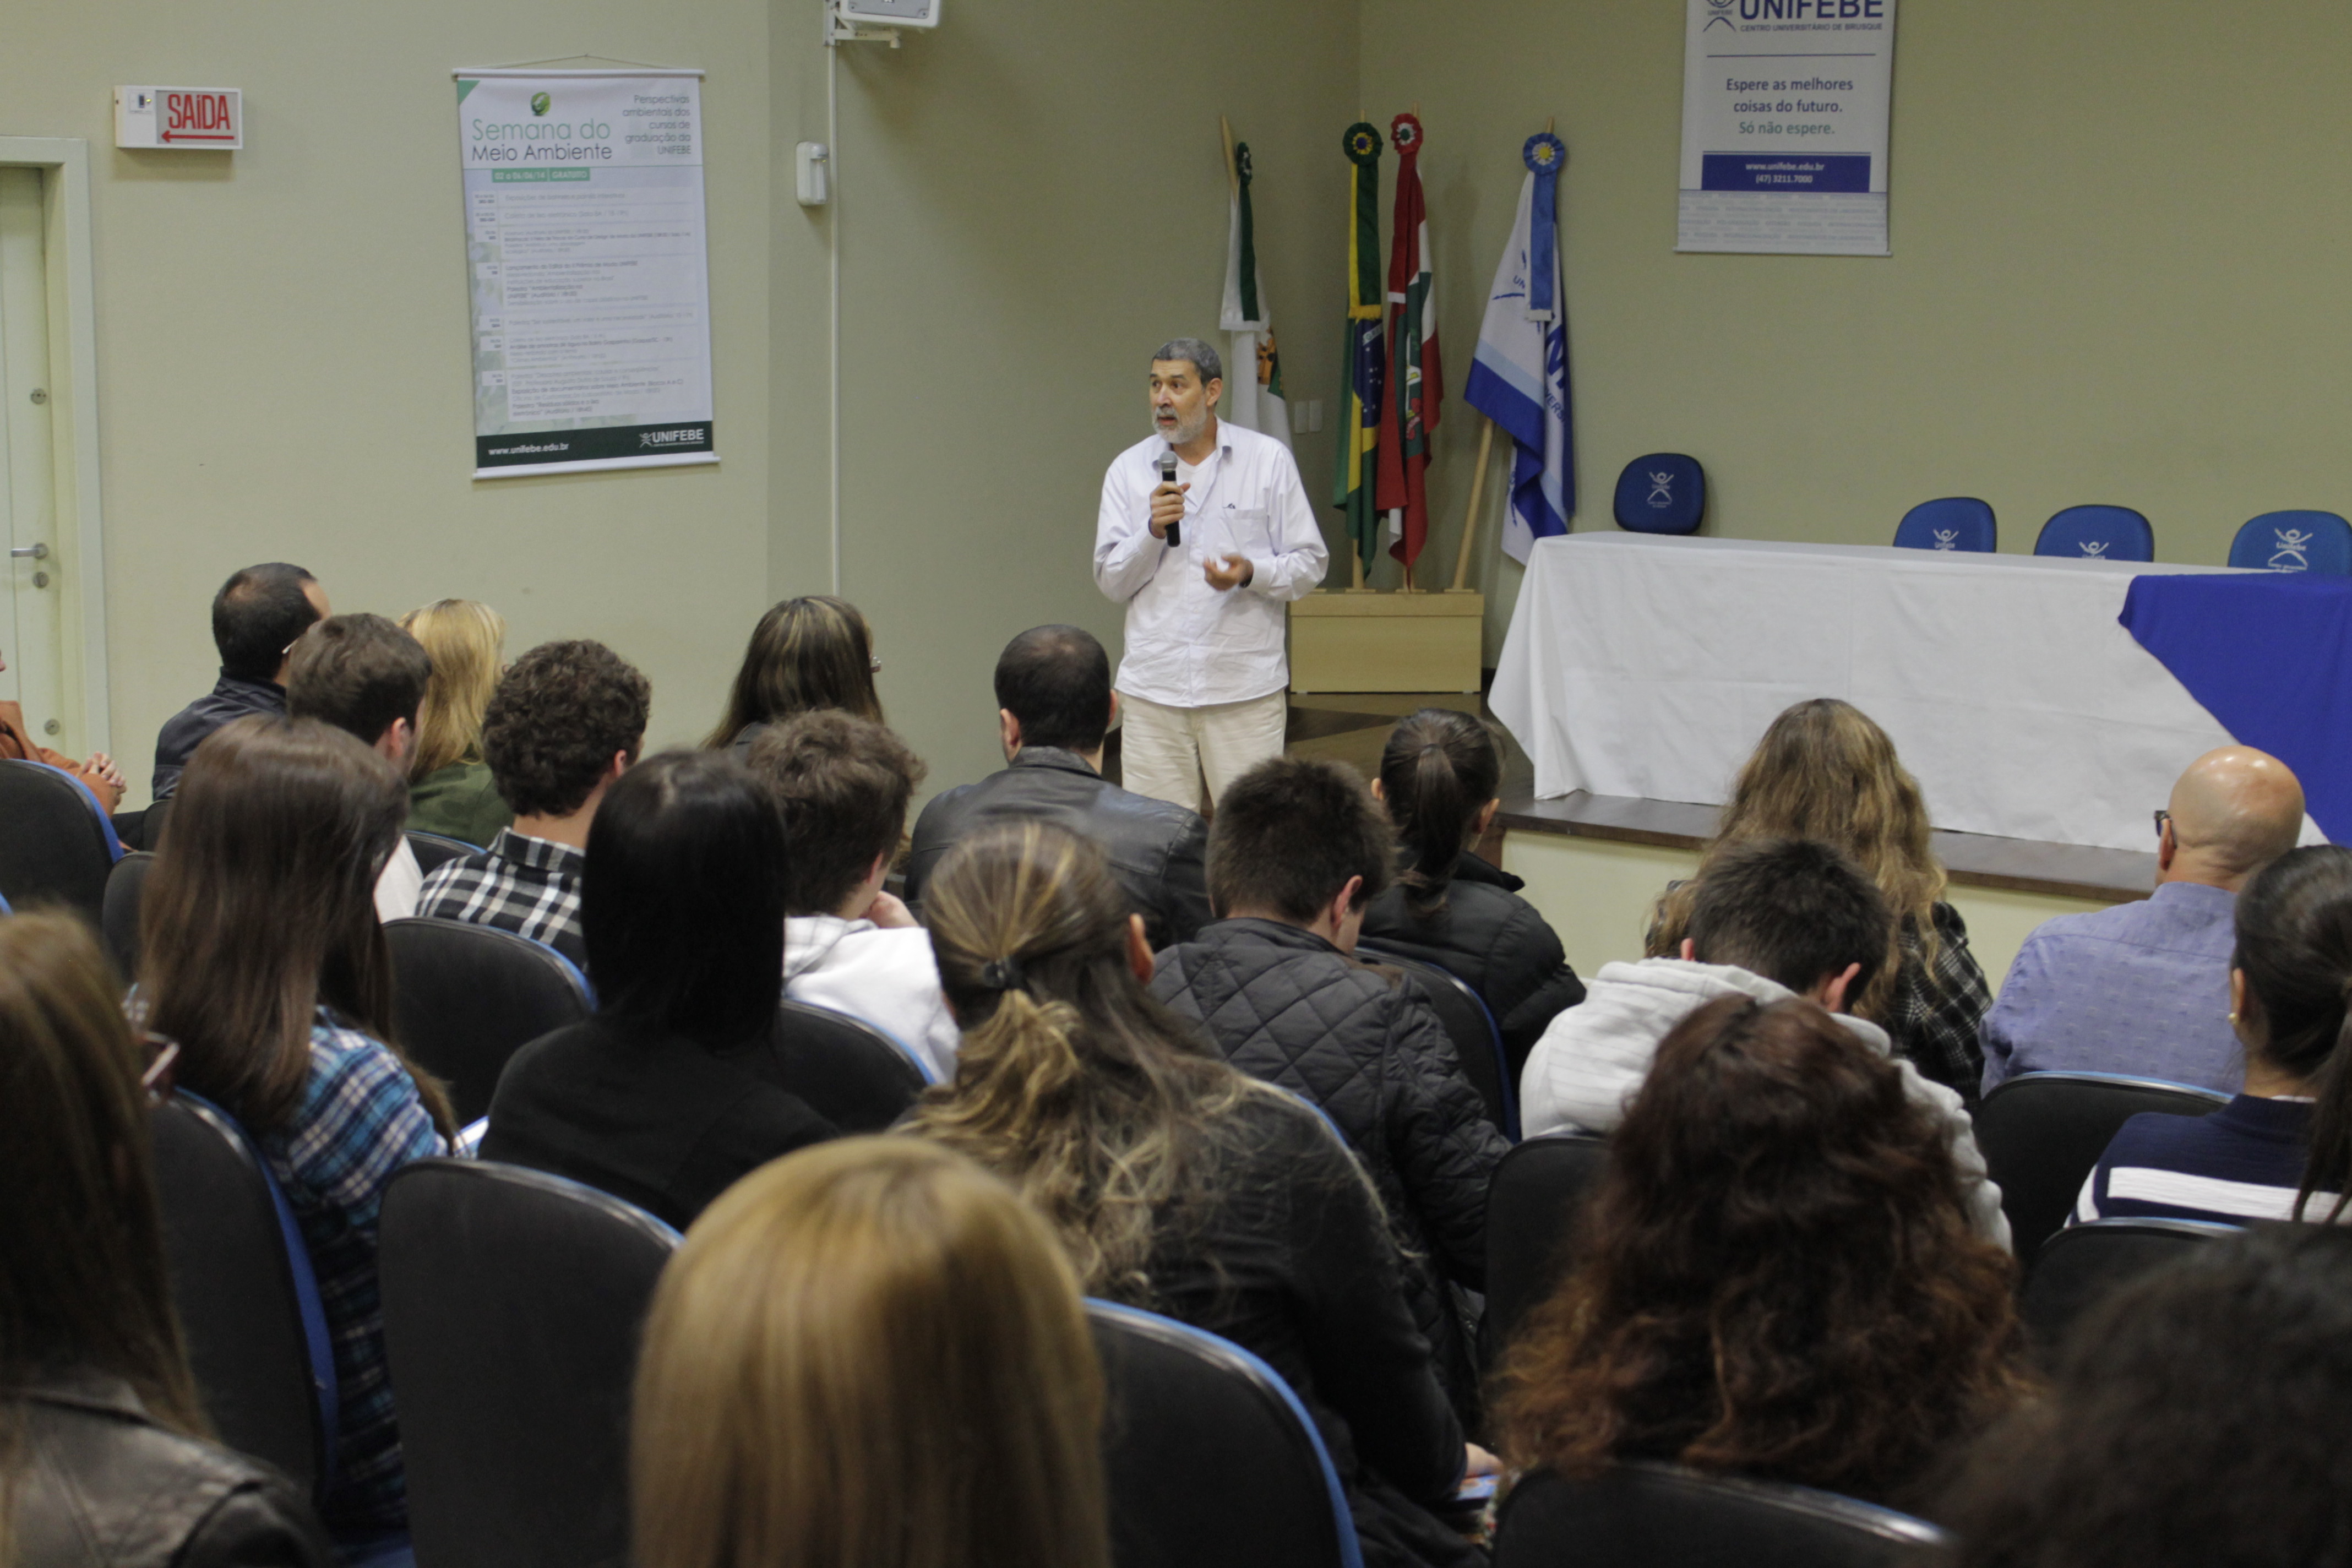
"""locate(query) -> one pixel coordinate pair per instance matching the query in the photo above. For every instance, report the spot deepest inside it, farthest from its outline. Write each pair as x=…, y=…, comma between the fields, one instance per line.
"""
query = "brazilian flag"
x=1364, y=364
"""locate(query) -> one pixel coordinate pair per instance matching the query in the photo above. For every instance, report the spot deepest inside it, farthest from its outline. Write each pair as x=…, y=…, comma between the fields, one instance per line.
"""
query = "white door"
x=29, y=592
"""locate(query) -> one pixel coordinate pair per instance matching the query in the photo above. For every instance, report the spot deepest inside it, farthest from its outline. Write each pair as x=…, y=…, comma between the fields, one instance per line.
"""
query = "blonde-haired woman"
x=806, y=655
x=1176, y=1183
x=869, y=1354
x=450, y=790
x=1826, y=771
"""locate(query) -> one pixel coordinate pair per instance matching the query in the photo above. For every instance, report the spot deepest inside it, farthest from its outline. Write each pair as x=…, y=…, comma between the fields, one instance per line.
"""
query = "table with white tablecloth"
x=1649, y=667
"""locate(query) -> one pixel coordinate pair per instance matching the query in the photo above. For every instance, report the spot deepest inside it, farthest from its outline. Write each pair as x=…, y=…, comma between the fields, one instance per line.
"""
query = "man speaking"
x=1203, y=558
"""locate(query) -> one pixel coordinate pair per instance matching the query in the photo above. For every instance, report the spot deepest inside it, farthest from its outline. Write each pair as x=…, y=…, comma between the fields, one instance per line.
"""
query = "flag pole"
x=1470, y=513
x=1233, y=174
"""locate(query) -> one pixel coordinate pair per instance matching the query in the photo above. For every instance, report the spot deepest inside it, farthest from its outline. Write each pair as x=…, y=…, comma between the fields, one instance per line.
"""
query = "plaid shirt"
x=1935, y=1015
x=527, y=886
x=360, y=1119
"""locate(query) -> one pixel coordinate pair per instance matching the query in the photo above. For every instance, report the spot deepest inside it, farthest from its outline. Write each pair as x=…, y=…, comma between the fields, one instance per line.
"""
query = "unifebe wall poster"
x=1784, y=126
x=588, y=270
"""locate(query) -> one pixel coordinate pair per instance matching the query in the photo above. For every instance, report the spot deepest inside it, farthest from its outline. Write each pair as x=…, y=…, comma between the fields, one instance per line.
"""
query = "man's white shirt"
x=1188, y=645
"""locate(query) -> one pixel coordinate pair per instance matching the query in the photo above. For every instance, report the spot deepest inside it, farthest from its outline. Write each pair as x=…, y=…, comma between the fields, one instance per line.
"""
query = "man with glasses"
x=2143, y=988
x=258, y=617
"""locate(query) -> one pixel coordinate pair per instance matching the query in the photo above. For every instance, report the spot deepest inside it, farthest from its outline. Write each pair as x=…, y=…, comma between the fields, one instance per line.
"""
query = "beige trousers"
x=1166, y=753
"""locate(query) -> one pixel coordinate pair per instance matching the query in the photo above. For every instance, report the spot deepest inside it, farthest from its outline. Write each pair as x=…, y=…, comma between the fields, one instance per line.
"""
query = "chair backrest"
x=55, y=843
x=119, y=910
x=2082, y=1264
x=1642, y=1514
x=2098, y=534
x=466, y=997
x=1468, y=1024
x=1532, y=1203
x=512, y=1305
x=2043, y=1134
x=2317, y=542
x=851, y=1073
x=1665, y=492
x=1210, y=1456
x=247, y=1302
x=1954, y=523
x=434, y=849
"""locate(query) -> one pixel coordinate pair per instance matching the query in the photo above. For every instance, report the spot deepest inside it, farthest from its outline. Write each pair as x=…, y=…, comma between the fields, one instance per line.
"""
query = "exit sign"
x=196, y=117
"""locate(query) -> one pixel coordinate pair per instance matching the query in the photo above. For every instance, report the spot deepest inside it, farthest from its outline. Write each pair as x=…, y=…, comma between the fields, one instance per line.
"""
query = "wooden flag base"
x=1359, y=641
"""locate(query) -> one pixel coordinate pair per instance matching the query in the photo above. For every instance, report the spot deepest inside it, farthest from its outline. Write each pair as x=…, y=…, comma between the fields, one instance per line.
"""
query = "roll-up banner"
x=588, y=270
x=1784, y=126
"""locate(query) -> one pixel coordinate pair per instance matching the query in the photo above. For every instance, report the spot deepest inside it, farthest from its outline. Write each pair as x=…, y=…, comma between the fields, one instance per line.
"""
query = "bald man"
x=2144, y=988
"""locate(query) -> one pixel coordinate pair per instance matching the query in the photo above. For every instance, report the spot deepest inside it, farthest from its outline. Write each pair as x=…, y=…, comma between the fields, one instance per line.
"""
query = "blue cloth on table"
x=2270, y=657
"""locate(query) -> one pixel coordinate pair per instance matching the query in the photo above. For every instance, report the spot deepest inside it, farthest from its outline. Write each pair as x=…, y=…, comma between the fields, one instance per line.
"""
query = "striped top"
x=2241, y=1163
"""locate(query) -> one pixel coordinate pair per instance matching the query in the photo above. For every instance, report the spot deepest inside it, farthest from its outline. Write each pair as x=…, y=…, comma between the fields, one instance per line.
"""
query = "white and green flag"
x=1254, y=370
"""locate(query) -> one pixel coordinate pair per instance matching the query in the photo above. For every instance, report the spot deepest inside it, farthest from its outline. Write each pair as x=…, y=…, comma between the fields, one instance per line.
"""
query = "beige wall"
x=2117, y=272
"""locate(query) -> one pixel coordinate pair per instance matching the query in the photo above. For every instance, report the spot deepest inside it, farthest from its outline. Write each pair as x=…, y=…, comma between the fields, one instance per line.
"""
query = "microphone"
x=1168, y=477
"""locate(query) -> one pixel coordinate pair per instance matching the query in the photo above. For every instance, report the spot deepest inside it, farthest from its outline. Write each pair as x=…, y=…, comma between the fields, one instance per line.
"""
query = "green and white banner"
x=589, y=269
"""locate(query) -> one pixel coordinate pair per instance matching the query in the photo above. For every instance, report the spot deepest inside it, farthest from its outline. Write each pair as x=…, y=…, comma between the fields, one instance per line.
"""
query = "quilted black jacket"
x=1156, y=848
x=1495, y=942
x=1284, y=1005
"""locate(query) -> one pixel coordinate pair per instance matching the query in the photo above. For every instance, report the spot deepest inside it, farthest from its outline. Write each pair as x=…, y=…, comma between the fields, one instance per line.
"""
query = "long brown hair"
x=869, y=1354
x=1776, y=1275
x=805, y=654
x=1438, y=771
x=81, y=1250
x=464, y=640
x=1073, y=1083
x=1826, y=771
x=261, y=909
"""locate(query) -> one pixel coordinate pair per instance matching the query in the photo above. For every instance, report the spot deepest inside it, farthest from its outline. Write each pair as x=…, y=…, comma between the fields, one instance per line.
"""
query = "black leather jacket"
x=1158, y=850
x=101, y=1485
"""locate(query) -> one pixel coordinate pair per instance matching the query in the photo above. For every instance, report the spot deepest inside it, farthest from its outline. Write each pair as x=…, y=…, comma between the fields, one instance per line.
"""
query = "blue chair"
x=1665, y=492
x=2097, y=534
x=2041, y=1134
x=1955, y=523
x=2315, y=541
x=1470, y=1025
x=2084, y=1264
x=55, y=842
x=466, y=997
x=1642, y=1513
x=1208, y=1455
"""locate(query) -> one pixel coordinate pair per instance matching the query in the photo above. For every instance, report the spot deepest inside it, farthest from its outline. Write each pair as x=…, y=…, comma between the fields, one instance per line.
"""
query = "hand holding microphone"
x=1168, y=502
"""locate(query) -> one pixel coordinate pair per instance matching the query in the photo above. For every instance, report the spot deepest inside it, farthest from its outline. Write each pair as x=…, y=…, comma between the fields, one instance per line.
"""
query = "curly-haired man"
x=567, y=719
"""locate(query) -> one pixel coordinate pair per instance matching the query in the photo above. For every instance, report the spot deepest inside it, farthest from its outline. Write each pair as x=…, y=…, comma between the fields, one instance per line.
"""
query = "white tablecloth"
x=1649, y=667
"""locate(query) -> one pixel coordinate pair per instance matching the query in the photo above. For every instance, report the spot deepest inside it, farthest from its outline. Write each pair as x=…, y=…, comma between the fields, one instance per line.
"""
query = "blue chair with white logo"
x=2315, y=541
x=2097, y=534
x=1208, y=1455
x=1665, y=492
x=1955, y=523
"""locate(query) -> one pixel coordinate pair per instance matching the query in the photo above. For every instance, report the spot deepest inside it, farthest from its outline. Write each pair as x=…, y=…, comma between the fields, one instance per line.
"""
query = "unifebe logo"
x=688, y=436
x=1719, y=14
x=541, y=104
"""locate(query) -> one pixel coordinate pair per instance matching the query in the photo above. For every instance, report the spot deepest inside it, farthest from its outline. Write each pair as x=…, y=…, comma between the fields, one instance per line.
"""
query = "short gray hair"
x=1204, y=358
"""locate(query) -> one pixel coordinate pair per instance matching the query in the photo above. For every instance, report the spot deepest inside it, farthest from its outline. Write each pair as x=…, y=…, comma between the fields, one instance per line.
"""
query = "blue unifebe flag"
x=1518, y=377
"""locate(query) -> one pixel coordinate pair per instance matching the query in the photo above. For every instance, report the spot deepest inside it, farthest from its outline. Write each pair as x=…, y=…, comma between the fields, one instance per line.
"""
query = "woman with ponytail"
x=1177, y=1183
x=2283, y=1147
x=1449, y=906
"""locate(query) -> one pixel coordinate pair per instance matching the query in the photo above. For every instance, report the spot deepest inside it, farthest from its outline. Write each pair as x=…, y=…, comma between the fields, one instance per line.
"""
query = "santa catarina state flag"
x=1416, y=381
x=1253, y=378
x=1364, y=362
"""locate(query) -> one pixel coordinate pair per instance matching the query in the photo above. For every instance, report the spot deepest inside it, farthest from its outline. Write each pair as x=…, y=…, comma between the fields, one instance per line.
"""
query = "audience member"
x=260, y=954
x=1055, y=705
x=2201, y=1416
x=1776, y=1277
x=842, y=783
x=869, y=1355
x=1823, y=771
x=659, y=1097
x=1768, y=919
x=257, y=615
x=2142, y=988
x=1450, y=906
x=1298, y=849
x=450, y=790
x=805, y=655
x=106, y=1461
x=104, y=779
x=2270, y=1153
x=1178, y=1183
x=566, y=720
x=365, y=675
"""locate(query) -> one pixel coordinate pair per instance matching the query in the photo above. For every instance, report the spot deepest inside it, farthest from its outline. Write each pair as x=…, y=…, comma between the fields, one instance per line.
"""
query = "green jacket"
x=458, y=802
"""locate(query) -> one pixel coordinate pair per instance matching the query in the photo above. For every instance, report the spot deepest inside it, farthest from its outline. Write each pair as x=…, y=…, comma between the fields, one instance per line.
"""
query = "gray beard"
x=1183, y=434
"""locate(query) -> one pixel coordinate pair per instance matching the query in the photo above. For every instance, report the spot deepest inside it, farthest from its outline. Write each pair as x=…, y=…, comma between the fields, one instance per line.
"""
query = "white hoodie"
x=888, y=978
x=1592, y=1060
